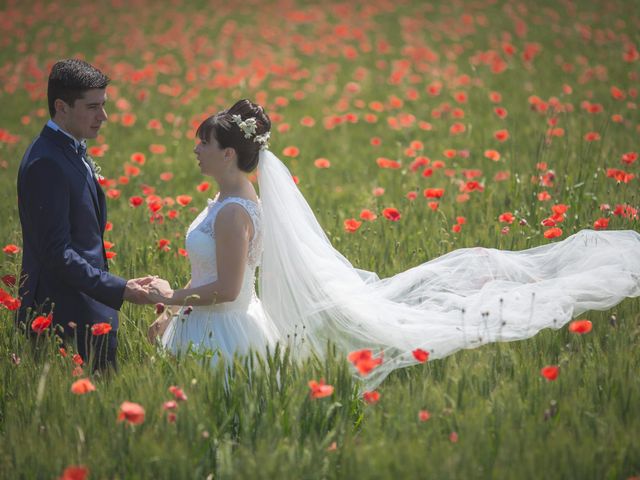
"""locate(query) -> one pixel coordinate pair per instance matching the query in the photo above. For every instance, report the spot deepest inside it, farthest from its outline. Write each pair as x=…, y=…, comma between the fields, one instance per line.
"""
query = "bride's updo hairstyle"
x=228, y=133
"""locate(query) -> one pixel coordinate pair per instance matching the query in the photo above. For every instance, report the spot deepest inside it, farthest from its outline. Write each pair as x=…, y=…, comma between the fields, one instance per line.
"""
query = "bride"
x=310, y=292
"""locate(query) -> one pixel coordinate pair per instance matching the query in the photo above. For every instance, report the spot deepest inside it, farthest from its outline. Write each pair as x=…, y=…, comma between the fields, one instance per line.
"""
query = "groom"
x=63, y=216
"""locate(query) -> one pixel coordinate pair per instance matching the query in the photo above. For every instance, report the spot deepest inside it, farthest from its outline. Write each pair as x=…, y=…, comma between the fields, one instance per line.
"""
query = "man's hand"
x=137, y=290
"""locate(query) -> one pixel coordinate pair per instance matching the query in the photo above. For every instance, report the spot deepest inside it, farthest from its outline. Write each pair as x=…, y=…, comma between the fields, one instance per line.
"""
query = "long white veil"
x=463, y=299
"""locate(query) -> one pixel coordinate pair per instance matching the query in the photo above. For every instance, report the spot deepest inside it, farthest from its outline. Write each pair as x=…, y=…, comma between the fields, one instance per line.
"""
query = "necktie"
x=82, y=151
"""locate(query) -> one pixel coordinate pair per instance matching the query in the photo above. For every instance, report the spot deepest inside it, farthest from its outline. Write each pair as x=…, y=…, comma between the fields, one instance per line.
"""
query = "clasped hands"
x=148, y=290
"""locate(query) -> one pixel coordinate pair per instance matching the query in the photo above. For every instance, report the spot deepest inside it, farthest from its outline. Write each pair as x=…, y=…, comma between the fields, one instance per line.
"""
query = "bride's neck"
x=232, y=185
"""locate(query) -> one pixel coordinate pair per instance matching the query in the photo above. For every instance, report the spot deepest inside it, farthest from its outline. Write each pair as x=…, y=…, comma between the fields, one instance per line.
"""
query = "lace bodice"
x=201, y=245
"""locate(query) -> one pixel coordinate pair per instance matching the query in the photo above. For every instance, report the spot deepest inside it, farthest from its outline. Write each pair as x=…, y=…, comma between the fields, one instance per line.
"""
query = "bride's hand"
x=159, y=290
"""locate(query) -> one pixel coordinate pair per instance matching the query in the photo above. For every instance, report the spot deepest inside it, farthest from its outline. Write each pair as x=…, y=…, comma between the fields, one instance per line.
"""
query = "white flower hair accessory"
x=249, y=127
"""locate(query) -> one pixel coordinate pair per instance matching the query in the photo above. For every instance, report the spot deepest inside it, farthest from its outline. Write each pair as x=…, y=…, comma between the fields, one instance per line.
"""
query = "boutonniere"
x=95, y=168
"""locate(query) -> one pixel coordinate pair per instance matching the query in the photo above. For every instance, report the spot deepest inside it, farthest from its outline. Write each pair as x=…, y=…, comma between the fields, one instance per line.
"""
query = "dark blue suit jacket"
x=63, y=215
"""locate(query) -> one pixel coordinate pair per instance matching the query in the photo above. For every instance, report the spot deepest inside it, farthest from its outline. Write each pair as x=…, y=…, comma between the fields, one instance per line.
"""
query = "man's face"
x=85, y=118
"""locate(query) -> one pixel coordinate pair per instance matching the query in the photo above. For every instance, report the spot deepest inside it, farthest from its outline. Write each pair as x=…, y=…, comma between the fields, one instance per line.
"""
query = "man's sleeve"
x=47, y=208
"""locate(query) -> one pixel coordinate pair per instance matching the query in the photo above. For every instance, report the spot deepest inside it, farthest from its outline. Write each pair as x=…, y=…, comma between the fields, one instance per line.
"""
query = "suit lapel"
x=66, y=145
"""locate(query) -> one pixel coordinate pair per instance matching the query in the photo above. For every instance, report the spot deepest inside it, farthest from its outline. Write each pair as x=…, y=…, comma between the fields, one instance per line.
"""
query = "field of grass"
x=510, y=107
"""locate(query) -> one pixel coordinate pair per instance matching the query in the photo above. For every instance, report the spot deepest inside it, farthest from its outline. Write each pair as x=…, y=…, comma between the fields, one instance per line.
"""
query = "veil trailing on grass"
x=463, y=299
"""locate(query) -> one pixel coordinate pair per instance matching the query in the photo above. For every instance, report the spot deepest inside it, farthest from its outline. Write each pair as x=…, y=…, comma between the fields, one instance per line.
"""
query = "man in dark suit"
x=63, y=216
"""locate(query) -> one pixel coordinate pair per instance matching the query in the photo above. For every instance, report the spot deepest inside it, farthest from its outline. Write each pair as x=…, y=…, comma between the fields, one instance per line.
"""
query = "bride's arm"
x=233, y=229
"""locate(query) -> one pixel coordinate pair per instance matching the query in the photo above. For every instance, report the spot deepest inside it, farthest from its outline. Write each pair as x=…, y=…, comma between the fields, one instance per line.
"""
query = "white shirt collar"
x=76, y=143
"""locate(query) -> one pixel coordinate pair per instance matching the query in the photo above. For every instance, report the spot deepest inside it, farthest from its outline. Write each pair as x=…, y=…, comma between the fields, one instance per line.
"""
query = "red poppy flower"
x=544, y=196
x=8, y=301
x=501, y=176
x=626, y=211
x=387, y=163
x=472, y=186
x=291, y=151
x=500, y=112
x=307, y=121
x=461, y=97
x=77, y=359
x=364, y=361
x=320, y=389
x=492, y=155
x=553, y=232
x=506, y=217
x=41, y=323
x=617, y=94
x=580, y=326
x=170, y=405
x=352, y=225
x=128, y=119
x=421, y=355
x=177, y=393
x=620, y=175
x=457, y=128
x=453, y=437
x=11, y=249
x=433, y=192
x=163, y=244
x=368, y=215
x=82, y=386
x=495, y=97
x=322, y=163
x=601, y=223
x=550, y=372
x=183, y=200
x=131, y=412
x=75, y=472
x=559, y=208
x=166, y=176
x=113, y=193
x=110, y=255
x=135, y=201
x=424, y=415
x=391, y=213
x=629, y=157
x=157, y=148
x=131, y=170
x=100, y=328
x=592, y=136
x=138, y=158
x=9, y=280
x=203, y=187
x=371, y=397
x=419, y=162
x=501, y=135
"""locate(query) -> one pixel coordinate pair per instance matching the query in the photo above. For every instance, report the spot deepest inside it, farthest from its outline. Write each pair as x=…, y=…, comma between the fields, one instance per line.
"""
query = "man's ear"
x=60, y=106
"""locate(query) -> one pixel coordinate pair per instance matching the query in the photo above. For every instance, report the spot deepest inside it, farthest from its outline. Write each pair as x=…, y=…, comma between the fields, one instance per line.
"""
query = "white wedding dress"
x=225, y=328
x=311, y=296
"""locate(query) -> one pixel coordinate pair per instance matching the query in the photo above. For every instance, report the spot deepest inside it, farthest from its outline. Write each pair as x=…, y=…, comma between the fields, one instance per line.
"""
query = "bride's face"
x=211, y=158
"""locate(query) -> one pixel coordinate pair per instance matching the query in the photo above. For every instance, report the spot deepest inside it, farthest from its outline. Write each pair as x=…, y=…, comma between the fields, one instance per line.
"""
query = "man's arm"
x=47, y=209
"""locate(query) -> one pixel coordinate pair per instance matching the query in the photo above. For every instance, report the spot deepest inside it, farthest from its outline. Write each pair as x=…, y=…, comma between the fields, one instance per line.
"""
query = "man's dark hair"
x=70, y=78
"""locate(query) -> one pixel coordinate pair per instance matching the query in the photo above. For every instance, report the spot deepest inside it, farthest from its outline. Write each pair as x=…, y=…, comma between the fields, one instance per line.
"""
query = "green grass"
x=264, y=424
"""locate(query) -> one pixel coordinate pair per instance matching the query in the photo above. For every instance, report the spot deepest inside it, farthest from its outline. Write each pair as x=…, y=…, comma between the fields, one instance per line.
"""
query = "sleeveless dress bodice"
x=229, y=327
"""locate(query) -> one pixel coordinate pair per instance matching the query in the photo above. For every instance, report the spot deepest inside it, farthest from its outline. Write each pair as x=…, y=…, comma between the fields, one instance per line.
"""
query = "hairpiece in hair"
x=249, y=127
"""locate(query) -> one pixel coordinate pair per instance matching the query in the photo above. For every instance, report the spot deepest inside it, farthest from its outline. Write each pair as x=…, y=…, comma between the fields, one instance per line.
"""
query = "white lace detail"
x=202, y=248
